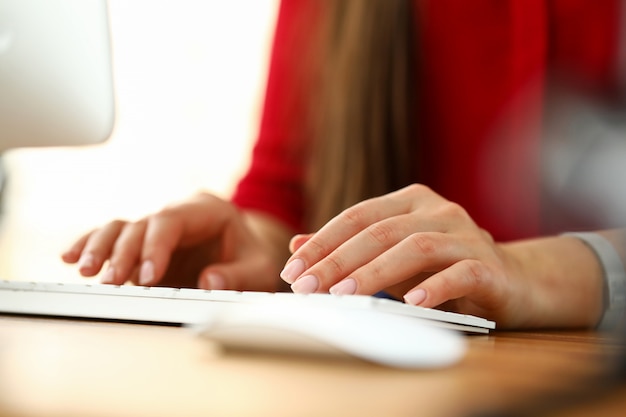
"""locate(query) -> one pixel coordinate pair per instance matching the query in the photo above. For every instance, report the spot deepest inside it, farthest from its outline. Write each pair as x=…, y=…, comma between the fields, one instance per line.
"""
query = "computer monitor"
x=56, y=84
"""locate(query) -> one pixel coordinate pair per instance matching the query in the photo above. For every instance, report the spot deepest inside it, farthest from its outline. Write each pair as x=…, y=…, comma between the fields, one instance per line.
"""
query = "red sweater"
x=485, y=70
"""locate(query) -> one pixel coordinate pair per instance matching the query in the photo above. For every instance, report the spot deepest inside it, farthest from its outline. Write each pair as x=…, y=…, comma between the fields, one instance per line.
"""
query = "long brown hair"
x=362, y=112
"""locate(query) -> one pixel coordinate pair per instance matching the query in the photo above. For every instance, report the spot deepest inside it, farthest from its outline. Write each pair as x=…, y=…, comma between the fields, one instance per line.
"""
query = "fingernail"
x=345, y=287
x=215, y=281
x=86, y=261
x=415, y=297
x=146, y=273
x=109, y=276
x=292, y=271
x=305, y=285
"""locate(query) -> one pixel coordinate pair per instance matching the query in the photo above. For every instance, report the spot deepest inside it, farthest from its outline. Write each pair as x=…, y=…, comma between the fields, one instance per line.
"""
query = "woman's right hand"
x=203, y=241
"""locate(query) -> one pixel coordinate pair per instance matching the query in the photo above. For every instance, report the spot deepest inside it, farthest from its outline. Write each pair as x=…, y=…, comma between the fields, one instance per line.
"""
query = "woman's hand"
x=417, y=245
x=204, y=241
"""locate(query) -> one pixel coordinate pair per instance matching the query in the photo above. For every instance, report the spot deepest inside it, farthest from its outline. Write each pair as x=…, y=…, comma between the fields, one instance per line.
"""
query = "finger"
x=443, y=217
x=133, y=277
x=417, y=253
x=126, y=253
x=200, y=217
x=297, y=241
x=179, y=227
x=72, y=254
x=357, y=251
x=466, y=277
x=352, y=221
x=339, y=229
x=98, y=247
x=241, y=274
x=162, y=236
x=183, y=226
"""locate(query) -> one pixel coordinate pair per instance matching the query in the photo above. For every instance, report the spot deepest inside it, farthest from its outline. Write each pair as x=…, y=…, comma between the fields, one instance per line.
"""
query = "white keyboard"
x=174, y=306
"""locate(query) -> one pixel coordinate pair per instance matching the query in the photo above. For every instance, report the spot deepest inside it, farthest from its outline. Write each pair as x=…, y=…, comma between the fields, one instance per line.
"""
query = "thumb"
x=239, y=275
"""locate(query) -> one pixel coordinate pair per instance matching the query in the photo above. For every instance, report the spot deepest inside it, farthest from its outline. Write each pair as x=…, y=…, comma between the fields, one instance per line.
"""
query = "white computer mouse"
x=374, y=336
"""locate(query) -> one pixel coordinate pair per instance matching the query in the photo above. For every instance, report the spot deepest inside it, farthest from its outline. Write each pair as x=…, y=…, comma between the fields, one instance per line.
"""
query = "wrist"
x=274, y=237
x=614, y=278
x=561, y=283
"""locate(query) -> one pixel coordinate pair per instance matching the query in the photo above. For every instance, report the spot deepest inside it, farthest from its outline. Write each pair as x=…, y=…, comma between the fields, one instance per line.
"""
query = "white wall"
x=189, y=81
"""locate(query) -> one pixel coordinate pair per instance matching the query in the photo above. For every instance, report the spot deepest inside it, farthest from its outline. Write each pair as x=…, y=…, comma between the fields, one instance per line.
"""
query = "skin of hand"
x=204, y=241
x=415, y=244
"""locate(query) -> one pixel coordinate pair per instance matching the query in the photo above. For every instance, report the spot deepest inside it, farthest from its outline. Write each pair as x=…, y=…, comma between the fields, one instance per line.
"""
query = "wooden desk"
x=71, y=368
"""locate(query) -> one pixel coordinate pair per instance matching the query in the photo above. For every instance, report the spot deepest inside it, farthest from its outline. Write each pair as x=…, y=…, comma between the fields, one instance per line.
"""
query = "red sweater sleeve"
x=585, y=41
x=273, y=183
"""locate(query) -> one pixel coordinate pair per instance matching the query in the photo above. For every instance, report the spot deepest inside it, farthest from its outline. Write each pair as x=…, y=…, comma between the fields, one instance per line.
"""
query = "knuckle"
x=381, y=233
x=376, y=272
x=451, y=209
x=355, y=216
x=475, y=272
x=447, y=285
x=117, y=224
x=334, y=266
x=165, y=212
x=132, y=229
x=139, y=223
x=485, y=235
x=422, y=243
x=318, y=250
x=171, y=216
x=417, y=188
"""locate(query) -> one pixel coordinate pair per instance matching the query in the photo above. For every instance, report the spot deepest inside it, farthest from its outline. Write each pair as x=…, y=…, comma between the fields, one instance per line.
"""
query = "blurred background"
x=189, y=76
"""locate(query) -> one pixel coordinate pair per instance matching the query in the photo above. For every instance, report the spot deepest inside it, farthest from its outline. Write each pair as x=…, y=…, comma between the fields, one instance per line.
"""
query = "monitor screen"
x=56, y=86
